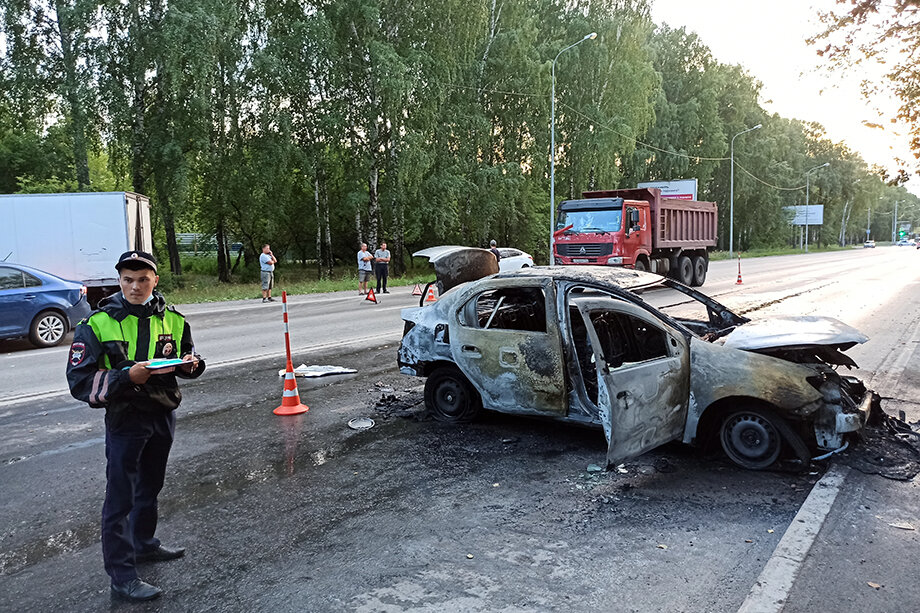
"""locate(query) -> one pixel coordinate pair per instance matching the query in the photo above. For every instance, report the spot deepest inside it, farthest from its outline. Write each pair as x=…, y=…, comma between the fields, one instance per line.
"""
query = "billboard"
x=799, y=216
x=681, y=189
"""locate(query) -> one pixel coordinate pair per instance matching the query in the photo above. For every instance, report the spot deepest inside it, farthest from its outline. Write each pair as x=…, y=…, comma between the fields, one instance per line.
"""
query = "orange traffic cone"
x=371, y=296
x=290, y=398
x=738, y=282
x=430, y=297
x=417, y=291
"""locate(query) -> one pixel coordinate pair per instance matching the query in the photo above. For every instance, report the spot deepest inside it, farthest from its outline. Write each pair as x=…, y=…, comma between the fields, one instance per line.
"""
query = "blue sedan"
x=39, y=305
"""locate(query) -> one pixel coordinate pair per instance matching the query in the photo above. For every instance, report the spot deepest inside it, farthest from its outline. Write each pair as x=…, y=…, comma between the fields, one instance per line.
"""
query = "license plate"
x=580, y=260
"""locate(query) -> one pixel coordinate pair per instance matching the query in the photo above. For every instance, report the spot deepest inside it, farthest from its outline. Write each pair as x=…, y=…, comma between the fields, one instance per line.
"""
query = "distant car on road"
x=904, y=242
x=514, y=259
x=870, y=244
x=39, y=305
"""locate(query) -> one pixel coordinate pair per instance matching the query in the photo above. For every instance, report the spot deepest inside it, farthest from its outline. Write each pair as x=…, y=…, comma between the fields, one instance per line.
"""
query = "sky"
x=768, y=40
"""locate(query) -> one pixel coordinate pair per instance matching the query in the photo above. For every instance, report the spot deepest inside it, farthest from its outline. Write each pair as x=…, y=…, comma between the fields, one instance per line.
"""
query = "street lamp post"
x=807, y=172
x=552, y=149
x=731, y=213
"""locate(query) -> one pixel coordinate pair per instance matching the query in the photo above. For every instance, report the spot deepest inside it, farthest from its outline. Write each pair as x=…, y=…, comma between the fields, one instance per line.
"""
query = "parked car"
x=39, y=305
x=513, y=259
x=870, y=244
x=581, y=344
x=904, y=243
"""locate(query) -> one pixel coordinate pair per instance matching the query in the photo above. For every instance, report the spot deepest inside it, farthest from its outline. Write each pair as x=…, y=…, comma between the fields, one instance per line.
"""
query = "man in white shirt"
x=364, y=268
x=267, y=264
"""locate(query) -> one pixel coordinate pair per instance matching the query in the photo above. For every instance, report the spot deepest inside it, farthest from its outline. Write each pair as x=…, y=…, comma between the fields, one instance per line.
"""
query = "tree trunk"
x=223, y=254
x=373, y=205
x=72, y=93
x=327, y=235
x=320, y=261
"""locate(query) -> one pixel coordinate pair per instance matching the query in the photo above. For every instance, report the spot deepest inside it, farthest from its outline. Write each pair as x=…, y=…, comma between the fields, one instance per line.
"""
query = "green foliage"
x=317, y=125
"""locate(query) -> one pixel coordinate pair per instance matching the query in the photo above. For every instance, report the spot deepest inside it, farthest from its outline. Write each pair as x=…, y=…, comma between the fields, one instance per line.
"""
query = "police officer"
x=107, y=368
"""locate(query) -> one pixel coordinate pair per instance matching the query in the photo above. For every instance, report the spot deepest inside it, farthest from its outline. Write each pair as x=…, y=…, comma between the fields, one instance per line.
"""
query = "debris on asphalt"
x=319, y=371
x=660, y=546
x=887, y=446
x=361, y=423
x=594, y=468
x=405, y=405
x=873, y=584
x=622, y=469
x=469, y=556
x=748, y=541
x=770, y=530
x=509, y=440
x=903, y=525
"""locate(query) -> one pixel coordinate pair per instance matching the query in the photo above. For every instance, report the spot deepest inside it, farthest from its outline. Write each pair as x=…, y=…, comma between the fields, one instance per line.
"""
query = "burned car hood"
x=454, y=264
x=822, y=337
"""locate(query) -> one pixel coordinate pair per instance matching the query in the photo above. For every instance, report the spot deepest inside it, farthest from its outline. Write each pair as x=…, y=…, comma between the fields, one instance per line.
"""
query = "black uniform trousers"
x=136, y=450
x=382, y=272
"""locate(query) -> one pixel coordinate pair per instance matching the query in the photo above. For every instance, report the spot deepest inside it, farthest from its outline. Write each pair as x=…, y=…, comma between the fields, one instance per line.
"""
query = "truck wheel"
x=640, y=266
x=450, y=397
x=685, y=270
x=751, y=439
x=48, y=329
x=699, y=270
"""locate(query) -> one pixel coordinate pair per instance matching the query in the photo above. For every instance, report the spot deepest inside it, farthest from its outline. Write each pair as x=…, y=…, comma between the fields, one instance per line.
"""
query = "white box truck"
x=75, y=236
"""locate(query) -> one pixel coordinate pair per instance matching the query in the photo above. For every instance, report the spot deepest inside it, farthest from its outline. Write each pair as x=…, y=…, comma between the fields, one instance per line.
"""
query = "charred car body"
x=582, y=345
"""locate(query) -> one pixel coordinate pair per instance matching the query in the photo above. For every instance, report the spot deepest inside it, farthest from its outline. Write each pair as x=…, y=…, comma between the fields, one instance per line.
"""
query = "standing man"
x=382, y=258
x=495, y=251
x=364, y=268
x=267, y=263
x=107, y=367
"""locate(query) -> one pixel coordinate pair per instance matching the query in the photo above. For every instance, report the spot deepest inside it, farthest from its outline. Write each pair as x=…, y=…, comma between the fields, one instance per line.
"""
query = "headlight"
x=618, y=261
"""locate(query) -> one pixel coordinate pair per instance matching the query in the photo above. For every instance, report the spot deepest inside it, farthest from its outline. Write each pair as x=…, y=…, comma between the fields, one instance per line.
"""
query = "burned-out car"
x=585, y=344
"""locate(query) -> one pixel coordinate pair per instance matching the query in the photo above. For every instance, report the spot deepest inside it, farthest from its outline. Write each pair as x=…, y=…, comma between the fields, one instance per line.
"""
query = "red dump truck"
x=637, y=228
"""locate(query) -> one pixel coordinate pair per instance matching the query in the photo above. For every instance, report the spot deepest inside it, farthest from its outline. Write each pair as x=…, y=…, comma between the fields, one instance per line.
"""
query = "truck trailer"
x=637, y=228
x=75, y=236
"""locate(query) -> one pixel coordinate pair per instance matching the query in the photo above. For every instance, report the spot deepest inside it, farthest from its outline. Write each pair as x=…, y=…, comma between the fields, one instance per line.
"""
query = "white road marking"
x=772, y=588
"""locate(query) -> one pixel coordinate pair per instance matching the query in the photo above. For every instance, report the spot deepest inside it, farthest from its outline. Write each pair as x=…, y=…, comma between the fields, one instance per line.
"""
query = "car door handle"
x=469, y=349
x=29, y=296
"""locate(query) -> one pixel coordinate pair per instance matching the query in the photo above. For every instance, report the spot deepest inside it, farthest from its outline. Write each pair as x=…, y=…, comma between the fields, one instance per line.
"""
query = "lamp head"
x=757, y=127
x=591, y=36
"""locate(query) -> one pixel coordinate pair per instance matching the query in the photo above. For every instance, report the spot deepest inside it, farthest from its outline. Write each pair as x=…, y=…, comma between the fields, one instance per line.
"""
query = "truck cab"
x=602, y=231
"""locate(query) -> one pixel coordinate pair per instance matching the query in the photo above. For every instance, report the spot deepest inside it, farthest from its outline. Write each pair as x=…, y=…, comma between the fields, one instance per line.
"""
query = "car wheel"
x=751, y=439
x=685, y=270
x=48, y=329
x=699, y=270
x=450, y=397
x=640, y=266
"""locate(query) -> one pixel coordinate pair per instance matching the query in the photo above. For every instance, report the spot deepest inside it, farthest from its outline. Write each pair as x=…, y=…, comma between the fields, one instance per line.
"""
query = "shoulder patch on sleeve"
x=77, y=354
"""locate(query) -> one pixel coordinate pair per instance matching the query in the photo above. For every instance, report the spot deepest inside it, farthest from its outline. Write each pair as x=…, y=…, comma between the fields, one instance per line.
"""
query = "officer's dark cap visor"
x=136, y=260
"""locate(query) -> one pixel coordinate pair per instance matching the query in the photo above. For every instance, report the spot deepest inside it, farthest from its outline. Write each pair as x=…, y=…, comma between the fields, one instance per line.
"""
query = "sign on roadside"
x=681, y=189
x=801, y=215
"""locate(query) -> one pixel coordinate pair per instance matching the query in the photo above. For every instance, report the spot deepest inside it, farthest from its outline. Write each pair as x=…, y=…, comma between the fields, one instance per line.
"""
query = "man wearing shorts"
x=364, y=268
x=267, y=264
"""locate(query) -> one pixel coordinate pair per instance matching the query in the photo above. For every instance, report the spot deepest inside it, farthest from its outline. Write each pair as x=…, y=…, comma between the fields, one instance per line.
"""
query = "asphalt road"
x=304, y=514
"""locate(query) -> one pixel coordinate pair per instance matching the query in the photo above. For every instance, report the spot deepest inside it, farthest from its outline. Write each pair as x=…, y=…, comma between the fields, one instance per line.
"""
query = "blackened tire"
x=685, y=270
x=48, y=329
x=450, y=397
x=699, y=270
x=751, y=439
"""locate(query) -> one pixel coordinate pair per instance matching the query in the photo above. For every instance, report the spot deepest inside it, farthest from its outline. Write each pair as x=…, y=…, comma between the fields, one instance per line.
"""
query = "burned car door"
x=643, y=376
x=507, y=341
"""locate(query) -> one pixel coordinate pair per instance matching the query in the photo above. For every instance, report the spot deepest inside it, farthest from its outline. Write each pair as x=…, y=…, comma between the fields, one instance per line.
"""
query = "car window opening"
x=627, y=340
x=519, y=308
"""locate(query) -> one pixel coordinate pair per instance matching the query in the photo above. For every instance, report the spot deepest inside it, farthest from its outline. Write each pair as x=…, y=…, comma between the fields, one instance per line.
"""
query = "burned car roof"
x=624, y=278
